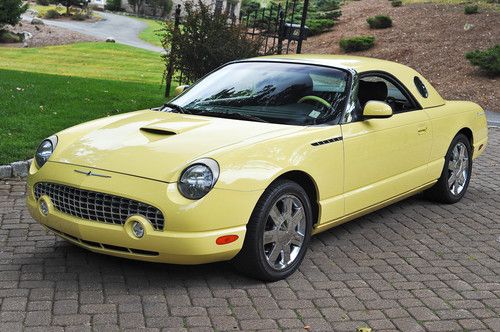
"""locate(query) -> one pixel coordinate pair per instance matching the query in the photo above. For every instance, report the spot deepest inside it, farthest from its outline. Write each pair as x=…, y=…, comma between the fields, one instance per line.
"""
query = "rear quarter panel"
x=447, y=121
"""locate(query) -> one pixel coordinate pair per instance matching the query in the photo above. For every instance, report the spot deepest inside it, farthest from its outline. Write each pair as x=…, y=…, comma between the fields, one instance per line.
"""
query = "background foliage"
x=205, y=41
x=321, y=15
x=10, y=12
x=488, y=60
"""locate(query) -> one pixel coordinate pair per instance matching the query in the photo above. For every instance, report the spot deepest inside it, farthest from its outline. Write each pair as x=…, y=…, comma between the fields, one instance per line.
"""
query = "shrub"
x=79, y=17
x=397, y=3
x=379, y=22
x=471, y=9
x=10, y=12
x=51, y=14
x=113, y=5
x=205, y=41
x=249, y=7
x=358, y=43
x=9, y=37
x=488, y=60
x=94, y=7
x=322, y=15
x=319, y=25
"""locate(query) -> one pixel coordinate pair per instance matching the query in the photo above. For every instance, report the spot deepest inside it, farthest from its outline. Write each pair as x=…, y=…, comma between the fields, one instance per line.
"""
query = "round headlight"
x=45, y=150
x=198, y=179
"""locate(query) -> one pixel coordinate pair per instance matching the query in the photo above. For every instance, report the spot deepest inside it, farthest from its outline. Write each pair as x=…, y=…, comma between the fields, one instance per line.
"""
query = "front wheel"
x=277, y=234
x=455, y=177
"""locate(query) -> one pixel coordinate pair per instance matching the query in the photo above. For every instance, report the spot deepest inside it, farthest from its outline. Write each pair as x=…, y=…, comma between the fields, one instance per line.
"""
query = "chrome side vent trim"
x=327, y=141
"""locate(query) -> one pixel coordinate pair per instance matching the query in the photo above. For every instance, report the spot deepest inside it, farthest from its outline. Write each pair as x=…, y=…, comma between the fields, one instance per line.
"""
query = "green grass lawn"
x=150, y=34
x=45, y=90
x=94, y=60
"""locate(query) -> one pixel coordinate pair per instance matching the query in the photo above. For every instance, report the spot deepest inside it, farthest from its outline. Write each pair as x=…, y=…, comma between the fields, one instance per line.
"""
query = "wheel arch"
x=468, y=133
x=308, y=184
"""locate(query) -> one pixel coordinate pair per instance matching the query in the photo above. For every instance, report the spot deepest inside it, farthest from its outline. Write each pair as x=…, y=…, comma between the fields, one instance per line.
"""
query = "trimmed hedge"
x=397, y=3
x=358, y=43
x=319, y=25
x=488, y=60
x=113, y=5
x=379, y=22
x=79, y=17
x=471, y=9
x=9, y=37
x=51, y=14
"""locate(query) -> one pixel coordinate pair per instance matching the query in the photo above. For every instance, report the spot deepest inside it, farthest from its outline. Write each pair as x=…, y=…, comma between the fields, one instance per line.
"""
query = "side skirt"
x=323, y=227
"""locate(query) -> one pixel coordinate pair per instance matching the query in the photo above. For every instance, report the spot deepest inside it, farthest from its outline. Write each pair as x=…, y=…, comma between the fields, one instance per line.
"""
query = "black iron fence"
x=282, y=27
x=279, y=24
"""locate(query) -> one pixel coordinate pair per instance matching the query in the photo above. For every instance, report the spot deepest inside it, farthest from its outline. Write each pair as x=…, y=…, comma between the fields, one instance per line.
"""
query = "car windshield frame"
x=330, y=119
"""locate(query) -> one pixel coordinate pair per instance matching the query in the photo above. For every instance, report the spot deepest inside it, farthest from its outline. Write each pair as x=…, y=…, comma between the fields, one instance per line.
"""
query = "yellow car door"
x=385, y=157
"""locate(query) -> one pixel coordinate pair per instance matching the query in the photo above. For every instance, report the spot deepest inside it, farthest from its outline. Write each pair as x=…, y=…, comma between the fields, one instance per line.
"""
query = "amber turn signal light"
x=226, y=239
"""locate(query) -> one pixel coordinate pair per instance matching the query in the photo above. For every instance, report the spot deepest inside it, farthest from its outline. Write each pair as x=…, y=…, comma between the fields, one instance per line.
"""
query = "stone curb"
x=15, y=169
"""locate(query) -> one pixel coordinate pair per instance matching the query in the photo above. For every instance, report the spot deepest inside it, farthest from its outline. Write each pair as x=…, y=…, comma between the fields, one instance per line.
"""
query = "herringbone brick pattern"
x=413, y=266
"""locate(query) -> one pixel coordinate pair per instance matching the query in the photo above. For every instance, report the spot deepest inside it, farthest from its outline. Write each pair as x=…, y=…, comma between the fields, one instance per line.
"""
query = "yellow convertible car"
x=255, y=158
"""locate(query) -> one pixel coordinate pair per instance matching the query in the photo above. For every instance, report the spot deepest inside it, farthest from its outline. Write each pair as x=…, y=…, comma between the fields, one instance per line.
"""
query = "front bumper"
x=191, y=227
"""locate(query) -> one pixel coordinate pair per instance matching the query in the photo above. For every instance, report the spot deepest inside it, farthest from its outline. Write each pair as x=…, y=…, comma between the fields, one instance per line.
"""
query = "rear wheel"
x=455, y=177
x=277, y=234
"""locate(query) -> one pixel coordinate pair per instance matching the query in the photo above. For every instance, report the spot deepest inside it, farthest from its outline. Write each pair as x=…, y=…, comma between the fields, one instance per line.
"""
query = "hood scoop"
x=158, y=131
x=170, y=128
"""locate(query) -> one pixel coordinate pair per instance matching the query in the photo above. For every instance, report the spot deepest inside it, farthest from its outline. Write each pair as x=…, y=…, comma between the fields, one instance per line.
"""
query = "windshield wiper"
x=232, y=115
x=176, y=108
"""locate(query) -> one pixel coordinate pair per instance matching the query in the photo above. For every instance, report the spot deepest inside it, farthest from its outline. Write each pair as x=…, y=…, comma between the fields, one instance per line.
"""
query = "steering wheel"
x=316, y=99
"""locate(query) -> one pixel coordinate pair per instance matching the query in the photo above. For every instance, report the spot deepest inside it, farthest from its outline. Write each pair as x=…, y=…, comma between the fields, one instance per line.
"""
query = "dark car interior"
x=380, y=89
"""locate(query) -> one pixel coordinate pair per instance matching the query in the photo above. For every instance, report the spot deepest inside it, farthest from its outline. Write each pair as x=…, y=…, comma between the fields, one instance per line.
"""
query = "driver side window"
x=380, y=88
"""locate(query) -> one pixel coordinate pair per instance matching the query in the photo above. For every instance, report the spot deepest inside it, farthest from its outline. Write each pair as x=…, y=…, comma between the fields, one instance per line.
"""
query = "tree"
x=10, y=12
x=137, y=5
x=162, y=6
x=69, y=3
x=205, y=41
x=113, y=5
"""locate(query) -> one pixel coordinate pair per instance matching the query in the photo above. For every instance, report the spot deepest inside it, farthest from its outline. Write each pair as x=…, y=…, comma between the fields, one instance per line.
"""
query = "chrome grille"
x=95, y=206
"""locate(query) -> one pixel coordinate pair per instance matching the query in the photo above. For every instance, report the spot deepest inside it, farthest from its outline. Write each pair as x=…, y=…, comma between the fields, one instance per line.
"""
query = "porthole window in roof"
x=421, y=87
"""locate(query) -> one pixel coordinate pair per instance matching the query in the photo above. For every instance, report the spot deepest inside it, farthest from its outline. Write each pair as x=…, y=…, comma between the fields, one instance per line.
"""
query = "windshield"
x=284, y=93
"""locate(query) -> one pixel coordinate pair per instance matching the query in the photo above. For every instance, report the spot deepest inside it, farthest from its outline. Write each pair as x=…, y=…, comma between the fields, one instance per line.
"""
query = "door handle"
x=422, y=130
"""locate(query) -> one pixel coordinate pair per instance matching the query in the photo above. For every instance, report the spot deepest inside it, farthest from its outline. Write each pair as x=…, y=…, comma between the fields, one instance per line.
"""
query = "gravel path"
x=123, y=29
x=46, y=35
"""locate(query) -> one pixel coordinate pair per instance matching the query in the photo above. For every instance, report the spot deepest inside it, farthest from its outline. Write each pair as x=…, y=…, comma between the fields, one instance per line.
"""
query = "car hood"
x=156, y=145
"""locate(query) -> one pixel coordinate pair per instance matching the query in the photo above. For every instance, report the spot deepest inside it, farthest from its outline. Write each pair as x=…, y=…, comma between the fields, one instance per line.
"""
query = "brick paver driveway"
x=410, y=267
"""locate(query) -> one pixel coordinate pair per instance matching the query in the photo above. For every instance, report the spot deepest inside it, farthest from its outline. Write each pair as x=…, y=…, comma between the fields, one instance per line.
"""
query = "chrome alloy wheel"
x=284, y=232
x=458, y=169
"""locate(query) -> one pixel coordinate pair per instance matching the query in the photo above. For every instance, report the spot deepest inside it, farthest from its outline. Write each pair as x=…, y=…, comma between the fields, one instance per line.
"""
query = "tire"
x=276, y=217
x=457, y=166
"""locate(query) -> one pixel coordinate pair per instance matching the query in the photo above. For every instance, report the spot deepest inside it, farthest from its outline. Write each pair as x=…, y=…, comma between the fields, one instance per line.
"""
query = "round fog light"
x=44, y=208
x=137, y=229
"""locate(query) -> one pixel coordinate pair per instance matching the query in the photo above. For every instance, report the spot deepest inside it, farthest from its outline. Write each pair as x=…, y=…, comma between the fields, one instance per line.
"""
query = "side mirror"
x=376, y=109
x=180, y=89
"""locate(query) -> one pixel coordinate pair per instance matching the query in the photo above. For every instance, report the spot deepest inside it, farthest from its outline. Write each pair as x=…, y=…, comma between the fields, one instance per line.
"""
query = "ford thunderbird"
x=252, y=160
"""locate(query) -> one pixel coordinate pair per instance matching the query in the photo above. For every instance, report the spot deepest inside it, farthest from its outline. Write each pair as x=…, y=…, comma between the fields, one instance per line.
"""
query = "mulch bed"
x=45, y=35
x=427, y=37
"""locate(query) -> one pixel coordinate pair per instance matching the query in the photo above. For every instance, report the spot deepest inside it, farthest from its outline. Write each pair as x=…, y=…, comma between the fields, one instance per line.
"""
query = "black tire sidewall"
x=257, y=224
